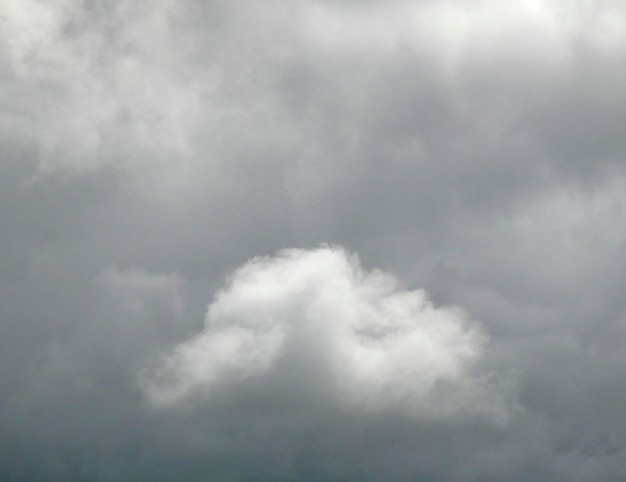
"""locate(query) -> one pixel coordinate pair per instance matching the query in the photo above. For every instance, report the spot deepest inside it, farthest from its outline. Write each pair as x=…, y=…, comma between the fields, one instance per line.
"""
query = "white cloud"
x=143, y=89
x=450, y=30
x=317, y=318
x=96, y=85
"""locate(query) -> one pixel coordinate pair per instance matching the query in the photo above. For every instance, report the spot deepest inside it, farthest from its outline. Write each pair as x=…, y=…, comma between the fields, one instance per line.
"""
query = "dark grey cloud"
x=151, y=152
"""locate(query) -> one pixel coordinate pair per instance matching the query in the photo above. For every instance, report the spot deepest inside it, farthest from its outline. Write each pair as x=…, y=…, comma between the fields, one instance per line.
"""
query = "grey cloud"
x=473, y=150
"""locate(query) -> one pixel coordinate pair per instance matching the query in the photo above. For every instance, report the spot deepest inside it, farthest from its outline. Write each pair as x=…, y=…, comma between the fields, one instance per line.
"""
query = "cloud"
x=473, y=149
x=318, y=317
x=134, y=290
x=112, y=71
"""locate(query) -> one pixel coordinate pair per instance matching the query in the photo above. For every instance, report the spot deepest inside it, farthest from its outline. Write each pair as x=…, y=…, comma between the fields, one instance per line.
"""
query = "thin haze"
x=378, y=241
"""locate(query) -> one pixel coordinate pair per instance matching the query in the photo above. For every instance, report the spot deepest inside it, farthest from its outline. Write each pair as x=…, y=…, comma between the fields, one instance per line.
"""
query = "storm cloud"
x=312, y=240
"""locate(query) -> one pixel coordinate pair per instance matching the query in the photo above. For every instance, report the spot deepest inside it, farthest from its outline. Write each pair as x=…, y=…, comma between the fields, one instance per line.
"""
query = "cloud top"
x=316, y=321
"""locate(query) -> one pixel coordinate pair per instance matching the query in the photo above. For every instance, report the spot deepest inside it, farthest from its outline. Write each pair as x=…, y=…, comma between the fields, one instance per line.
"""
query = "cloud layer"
x=150, y=152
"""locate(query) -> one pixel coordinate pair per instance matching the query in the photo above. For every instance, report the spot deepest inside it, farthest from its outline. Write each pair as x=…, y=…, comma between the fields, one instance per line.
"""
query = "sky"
x=312, y=240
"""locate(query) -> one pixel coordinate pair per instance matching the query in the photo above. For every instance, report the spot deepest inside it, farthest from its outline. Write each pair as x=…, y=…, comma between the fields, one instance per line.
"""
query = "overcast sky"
x=312, y=240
